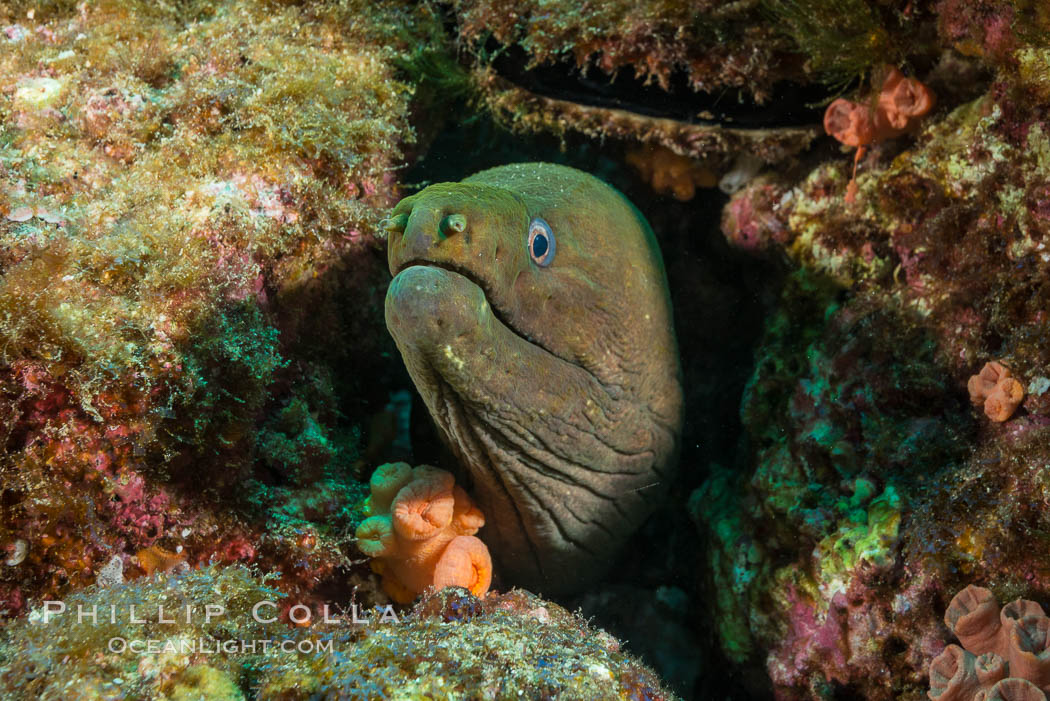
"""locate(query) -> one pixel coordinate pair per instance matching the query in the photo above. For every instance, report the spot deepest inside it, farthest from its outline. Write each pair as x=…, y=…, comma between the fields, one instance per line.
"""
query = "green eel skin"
x=558, y=387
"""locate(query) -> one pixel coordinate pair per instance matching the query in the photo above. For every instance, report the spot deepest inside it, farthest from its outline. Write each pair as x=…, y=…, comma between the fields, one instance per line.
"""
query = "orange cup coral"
x=902, y=102
x=1006, y=655
x=997, y=390
x=157, y=559
x=973, y=616
x=850, y=123
x=953, y=675
x=420, y=533
x=1014, y=689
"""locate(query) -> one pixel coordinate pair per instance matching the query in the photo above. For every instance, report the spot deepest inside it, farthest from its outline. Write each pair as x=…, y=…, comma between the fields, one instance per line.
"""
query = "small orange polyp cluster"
x=996, y=390
x=157, y=559
x=670, y=173
x=902, y=103
x=420, y=533
x=1005, y=653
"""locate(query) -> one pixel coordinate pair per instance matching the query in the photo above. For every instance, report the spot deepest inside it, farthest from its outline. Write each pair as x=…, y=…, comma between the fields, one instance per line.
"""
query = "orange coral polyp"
x=953, y=676
x=1013, y=647
x=423, y=535
x=849, y=123
x=904, y=100
x=1028, y=649
x=386, y=482
x=982, y=384
x=157, y=559
x=1004, y=400
x=375, y=537
x=973, y=616
x=990, y=668
x=467, y=519
x=996, y=390
x=670, y=173
x=424, y=506
x=1014, y=689
x=465, y=563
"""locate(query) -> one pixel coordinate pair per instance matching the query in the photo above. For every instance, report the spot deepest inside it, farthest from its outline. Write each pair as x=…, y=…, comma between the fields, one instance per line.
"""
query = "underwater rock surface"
x=187, y=201
x=449, y=645
x=875, y=490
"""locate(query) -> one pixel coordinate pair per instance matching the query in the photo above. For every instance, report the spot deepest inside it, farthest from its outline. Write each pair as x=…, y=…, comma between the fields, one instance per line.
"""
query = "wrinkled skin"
x=557, y=387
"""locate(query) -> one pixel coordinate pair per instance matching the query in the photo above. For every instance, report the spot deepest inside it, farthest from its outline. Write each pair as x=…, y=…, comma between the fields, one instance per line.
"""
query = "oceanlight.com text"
x=208, y=646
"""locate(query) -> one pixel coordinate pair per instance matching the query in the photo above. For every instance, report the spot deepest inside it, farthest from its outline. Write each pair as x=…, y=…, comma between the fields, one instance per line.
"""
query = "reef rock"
x=873, y=483
x=188, y=195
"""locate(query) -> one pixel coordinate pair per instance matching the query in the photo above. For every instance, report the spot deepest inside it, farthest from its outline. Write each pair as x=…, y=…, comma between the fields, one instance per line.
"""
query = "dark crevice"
x=791, y=104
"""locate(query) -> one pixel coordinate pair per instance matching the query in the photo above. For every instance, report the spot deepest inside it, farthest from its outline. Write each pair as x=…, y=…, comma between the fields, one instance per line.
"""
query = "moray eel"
x=530, y=305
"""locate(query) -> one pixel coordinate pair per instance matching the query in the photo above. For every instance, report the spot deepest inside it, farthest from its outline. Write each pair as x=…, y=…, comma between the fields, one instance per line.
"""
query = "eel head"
x=530, y=305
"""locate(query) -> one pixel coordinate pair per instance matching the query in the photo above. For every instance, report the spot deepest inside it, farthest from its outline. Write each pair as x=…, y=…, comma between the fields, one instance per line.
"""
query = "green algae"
x=714, y=44
x=868, y=535
x=825, y=491
x=735, y=562
x=51, y=655
x=842, y=40
x=167, y=130
x=188, y=193
x=517, y=647
x=1034, y=69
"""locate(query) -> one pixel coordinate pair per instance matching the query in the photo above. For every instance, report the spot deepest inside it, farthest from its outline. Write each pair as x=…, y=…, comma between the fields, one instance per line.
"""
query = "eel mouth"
x=458, y=270
x=486, y=289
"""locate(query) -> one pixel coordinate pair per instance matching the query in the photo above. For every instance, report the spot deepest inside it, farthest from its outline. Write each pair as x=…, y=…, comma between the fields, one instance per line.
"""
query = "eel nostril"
x=391, y=224
x=451, y=225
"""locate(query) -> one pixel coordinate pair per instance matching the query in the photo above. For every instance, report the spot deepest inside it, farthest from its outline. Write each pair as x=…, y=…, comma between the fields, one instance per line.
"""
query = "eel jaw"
x=433, y=311
x=497, y=311
x=427, y=304
x=467, y=366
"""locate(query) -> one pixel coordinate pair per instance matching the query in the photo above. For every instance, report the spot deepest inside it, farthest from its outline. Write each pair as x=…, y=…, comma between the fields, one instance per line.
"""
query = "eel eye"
x=541, y=242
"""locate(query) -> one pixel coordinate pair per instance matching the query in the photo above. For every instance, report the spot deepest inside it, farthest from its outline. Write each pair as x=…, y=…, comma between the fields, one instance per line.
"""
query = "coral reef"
x=1004, y=655
x=212, y=633
x=187, y=199
x=901, y=103
x=420, y=533
x=751, y=221
x=708, y=80
x=526, y=111
x=512, y=645
x=870, y=486
x=715, y=45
